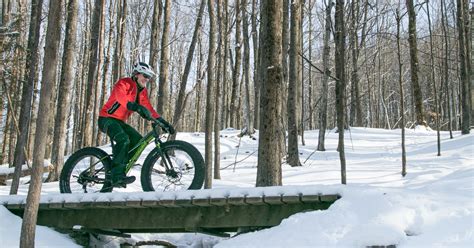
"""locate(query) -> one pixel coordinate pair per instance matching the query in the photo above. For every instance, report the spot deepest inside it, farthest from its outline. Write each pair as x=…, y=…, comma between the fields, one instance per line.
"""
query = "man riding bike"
x=128, y=95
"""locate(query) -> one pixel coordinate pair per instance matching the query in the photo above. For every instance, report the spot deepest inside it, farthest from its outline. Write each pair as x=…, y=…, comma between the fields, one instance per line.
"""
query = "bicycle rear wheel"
x=84, y=172
x=186, y=168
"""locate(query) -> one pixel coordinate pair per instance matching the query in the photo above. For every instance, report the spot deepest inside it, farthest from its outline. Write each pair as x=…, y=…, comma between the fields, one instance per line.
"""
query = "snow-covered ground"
x=432, y=206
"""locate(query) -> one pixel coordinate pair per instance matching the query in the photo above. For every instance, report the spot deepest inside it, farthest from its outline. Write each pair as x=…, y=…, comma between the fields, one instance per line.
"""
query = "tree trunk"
x=65, y=85
x=433, y=79
x=220, y=81
x=27, y=92
x=210, y=96
x=418, y=97
x=269, y=156
x=49, y=69
x=356, y=111
x=100, y=86
x=197, y=123
x=118, y=52
x=402, y=98
x=154, y=45
x=446, y=66
x=324, y=94
x=256, y=87
x=236, y=72
x=294, y=83
x=248, y=126
x=92, y=73
x=463, y=25
x=285, y=68
x=164, y=85
x=340, y=40
x=310, y=70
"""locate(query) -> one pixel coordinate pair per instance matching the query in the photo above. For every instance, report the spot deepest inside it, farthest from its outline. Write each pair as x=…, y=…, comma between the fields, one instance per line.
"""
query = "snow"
x=432, y=206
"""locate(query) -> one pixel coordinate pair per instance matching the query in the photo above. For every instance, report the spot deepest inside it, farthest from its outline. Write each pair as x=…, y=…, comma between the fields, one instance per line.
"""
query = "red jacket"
x=124, y=91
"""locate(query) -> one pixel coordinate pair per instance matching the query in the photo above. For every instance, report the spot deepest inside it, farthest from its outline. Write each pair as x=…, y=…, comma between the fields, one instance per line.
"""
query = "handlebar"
x=156, y=122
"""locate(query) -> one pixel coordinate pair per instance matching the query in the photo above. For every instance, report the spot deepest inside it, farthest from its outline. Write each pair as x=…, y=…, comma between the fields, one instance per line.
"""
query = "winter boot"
x=119, y=178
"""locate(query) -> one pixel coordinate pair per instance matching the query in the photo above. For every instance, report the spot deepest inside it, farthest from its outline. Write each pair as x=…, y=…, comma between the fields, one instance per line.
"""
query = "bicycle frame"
x=140, y=147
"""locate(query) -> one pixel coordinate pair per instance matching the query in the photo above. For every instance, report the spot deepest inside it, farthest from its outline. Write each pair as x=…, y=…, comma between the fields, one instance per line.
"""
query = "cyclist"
x=128, y=95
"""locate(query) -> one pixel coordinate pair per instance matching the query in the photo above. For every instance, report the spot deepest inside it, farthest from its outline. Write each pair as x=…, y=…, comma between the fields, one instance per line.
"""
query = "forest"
x=281, y=68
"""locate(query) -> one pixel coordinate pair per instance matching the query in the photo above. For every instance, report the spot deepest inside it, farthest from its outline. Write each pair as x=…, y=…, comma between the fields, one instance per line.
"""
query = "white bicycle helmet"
x=143, y=68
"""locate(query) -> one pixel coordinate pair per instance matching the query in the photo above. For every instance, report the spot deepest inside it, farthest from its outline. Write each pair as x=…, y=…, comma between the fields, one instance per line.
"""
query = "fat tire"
x=196, y=157
x=71, y=162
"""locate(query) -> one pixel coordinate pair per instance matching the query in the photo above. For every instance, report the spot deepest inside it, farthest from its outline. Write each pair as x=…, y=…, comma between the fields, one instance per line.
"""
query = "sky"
x=432, y=206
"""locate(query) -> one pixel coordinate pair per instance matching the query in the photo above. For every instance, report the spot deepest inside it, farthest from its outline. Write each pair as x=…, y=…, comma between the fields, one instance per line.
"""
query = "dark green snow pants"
x=124, y=137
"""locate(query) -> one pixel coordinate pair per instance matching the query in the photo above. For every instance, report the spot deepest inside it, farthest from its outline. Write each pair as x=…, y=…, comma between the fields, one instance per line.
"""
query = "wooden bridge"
x=215, y=211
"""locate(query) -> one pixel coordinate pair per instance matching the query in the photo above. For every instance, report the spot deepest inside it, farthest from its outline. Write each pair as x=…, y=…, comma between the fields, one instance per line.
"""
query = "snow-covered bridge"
x=212, y=211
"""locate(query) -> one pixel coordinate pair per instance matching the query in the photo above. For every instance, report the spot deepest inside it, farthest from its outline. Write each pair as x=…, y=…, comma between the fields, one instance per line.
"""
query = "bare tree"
x=220, y=82
x=210, y=95
x=154, y=45
x=446, y=66
x=256, y=56
x=92, y=73
x=356, y=109
x=433, y=78
x=464, y=57
x=64, y=92
x=248, y=126
x=294, y=83
x=398, y=18
x=163, y=87
x=324, y=94
x=269, y=156
x=27, y=92
x=53, y=34
x=340, y=40
x=414, y=66
x=237, y=63
x=119, y=43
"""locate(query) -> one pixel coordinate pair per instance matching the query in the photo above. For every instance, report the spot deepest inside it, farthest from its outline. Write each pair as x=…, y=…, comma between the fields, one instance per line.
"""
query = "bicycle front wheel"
x=84, y=172
x=175, y=165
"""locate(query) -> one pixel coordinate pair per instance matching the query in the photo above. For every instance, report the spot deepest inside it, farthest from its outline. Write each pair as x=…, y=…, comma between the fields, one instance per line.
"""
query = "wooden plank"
x=72, y=205
x=310, y=198
x=219, y=201
x=56, y=205
x=101, y=204
x=273, y=200
x=291, y=199
x=254, y=200
x=43, y=206
x=150, y=203
x=185, y=202
x=134, y=203
x=239, y=200
x=169, y=203
x=329, y=198
x=13, y=206
x=203, y=202
x=86, y=204
x=118, y=204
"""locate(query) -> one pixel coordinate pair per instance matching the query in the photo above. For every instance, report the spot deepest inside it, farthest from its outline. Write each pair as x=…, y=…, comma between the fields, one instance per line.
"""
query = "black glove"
x=142, y=111
x=132, y=106
x=167, y=127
